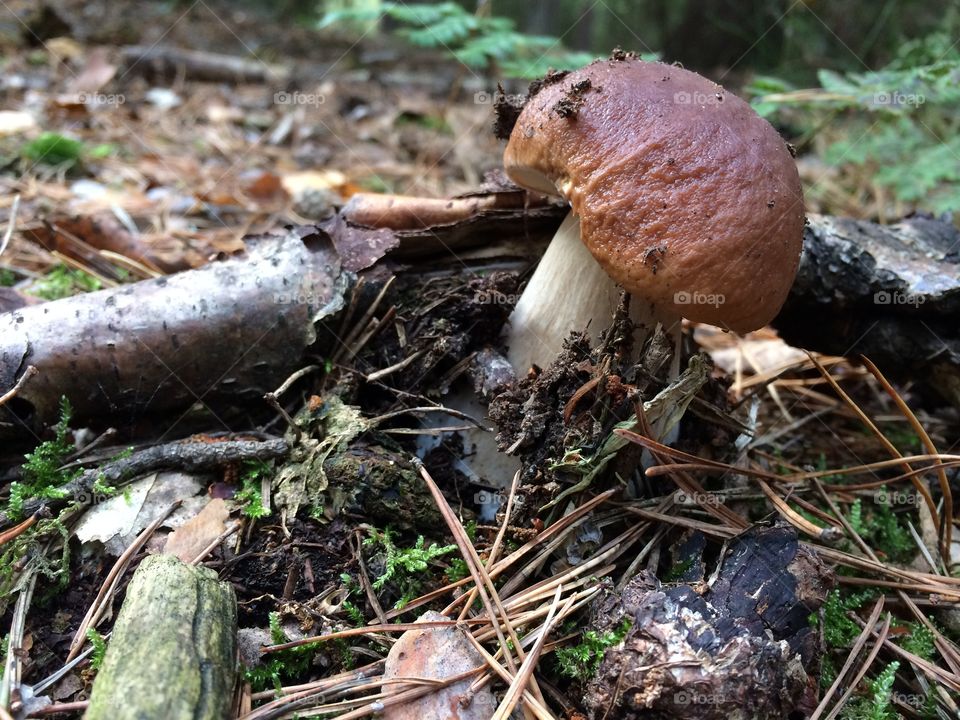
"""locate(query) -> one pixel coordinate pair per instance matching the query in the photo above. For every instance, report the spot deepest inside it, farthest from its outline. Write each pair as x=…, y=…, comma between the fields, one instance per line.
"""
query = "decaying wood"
x=184, y=456
x=224, y=335
x=735, y=643
x=173, y=650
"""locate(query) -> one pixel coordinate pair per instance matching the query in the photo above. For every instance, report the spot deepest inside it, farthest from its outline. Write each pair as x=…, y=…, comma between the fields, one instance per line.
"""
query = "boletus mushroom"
x=679, y=193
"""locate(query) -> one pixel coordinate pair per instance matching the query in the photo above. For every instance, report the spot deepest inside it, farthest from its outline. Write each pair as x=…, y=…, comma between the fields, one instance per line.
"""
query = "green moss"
x=876, y=705
x=53, y=149
x=403, y=567
x=63, y=282
x=41, y=476
x=582, y=661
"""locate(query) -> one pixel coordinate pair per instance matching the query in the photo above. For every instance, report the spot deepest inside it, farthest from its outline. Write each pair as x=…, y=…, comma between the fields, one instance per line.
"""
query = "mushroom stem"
x=570, y=291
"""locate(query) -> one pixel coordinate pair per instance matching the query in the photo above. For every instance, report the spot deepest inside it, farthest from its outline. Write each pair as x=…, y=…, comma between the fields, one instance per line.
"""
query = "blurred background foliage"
x=868, y=90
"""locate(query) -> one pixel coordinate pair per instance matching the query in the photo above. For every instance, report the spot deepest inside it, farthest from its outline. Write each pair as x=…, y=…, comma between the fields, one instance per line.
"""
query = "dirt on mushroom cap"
x=659, y=157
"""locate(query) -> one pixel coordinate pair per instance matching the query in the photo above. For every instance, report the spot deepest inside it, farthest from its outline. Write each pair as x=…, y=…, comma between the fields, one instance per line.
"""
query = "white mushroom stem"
x=570, y=291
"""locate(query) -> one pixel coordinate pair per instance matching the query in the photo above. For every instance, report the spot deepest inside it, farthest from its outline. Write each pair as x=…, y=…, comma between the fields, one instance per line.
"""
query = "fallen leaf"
x=116, y=515
x=436, y=653
x=188, y=541
x=96, y=73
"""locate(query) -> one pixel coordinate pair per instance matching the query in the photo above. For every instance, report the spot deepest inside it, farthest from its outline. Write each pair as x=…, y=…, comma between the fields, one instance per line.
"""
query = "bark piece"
x=437, y=653
x=739, y=648
x=173, y=652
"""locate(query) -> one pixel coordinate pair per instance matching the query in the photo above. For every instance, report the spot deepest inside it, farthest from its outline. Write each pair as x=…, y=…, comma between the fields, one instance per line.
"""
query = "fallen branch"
x=184, y=456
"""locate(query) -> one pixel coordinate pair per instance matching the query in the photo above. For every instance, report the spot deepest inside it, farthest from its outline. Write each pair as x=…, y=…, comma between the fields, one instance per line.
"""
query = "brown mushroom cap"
x=686, y=196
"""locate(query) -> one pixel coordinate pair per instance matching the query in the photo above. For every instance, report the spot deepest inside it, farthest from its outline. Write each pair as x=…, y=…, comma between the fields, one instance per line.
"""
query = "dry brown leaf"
x=97, y=72
x=191, y=538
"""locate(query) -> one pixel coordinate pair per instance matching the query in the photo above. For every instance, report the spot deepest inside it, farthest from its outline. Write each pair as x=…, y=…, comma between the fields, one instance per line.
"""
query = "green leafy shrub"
x=897, y=126
x=478, y=41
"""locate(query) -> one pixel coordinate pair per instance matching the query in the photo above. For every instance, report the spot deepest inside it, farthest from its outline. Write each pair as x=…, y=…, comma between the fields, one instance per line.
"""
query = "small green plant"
x=876, y=705
x=7, y=277
x=457, y=570
x=52, y=148
x=582, y=661
x=920, y=642
x=62, y=282
x=401, y=565
x=41, y=476
x=478, y=41
x=285, y=665
x=99, y=648
x=352, y=611
x=880, y=526
x=838, y=629
x=249, y=497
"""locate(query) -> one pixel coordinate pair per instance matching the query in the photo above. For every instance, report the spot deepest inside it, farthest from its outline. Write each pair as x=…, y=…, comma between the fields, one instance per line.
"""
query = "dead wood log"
x=166, y=61
x=173, y=651
x=223, y=335
x=889, y=292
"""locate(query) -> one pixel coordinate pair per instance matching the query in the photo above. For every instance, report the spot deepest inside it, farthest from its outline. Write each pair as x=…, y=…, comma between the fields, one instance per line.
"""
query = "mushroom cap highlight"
x=686, y=197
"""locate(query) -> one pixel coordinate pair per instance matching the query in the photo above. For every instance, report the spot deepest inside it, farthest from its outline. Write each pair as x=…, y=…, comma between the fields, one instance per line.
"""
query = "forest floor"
x=140, y=141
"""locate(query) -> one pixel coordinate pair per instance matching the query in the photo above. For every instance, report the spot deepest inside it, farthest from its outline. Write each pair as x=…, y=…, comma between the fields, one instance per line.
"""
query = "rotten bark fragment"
x=223, y=335
x=173, y=650
x=738, y=647
x=499, y=213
